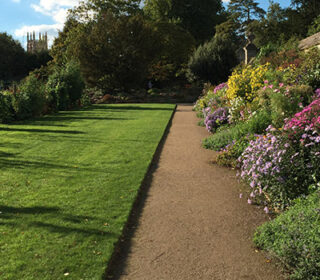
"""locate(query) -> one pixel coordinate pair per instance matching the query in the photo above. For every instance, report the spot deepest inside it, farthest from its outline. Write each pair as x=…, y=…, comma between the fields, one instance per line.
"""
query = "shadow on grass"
x=128, y=108
x=38, y=217
x=39, y=130
x=49, y=167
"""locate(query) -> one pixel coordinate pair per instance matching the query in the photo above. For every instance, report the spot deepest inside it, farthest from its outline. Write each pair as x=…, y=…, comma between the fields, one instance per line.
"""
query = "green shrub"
x=229, y=156
x=30, y=99
x=257, y=124
x=294, y=237
x=284, y=106
x=65, y=86
x=6, y=109
x=309, y=71
x=212, y=61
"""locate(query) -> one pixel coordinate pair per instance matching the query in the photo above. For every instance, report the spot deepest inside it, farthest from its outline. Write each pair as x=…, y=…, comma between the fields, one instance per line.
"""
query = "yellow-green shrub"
x=245, y=83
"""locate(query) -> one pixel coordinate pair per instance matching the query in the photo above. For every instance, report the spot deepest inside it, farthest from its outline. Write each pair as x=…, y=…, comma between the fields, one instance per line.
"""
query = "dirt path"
x=193, y=224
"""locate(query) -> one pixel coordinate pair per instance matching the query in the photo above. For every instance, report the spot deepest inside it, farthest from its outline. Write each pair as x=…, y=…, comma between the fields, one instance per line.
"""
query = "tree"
x=272, y=29
x=245, y=11
x=12, y=58
x=213, y=61
x=199, y=17
x=175, y=47
x=115, y=51
x=315, y=27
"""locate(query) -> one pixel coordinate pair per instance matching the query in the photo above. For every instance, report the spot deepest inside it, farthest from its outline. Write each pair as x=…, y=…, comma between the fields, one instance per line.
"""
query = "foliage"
x=175, y=47
x=315, y=27
x=199, y=17
x=230, y=154
x=309, y=71
x=65, y=86
x=283, y=58
x=271, y=30
x=115, y=53
x=6, y=108
x=257, y=124
x=245, y=11
x=283, y=102
x=30, y=99
x=68, y=183
x=12, y=58
x=293, y=237
x=245, y=82
x=212, y=61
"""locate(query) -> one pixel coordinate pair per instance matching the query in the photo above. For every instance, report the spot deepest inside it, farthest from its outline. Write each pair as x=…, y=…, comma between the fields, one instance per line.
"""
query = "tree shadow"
x=6, y=163
x=135, y=108
x=38, y=217
x=40, y=130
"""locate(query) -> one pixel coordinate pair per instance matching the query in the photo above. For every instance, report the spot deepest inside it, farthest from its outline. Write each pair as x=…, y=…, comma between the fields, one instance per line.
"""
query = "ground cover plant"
x=294, y=237
x=68, y=182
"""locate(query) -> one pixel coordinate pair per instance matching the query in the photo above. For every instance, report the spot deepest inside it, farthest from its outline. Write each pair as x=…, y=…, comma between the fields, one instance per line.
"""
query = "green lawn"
x=67, y=184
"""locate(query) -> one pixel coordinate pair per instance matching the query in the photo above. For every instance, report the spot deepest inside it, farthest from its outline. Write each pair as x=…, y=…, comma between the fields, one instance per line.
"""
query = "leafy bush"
x=257, y=124
x=294, y=237
x=30, y=99
x=229, y=156
x=212, y=61
x=285, y=102
x=65, y=86
x=6, y=109
x=309, y=72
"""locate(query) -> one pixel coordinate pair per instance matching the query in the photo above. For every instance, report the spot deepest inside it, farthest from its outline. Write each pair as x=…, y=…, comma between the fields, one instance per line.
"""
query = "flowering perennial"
x=217, y=118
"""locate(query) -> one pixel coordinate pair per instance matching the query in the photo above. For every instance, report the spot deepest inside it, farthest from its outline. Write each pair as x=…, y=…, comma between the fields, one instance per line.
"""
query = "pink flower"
x=266, y=209
x=281, y=84
x=249, y=201
x=240, y=195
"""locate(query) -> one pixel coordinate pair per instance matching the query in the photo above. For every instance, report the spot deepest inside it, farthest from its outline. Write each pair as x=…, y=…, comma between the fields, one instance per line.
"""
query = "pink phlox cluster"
x=306, y=120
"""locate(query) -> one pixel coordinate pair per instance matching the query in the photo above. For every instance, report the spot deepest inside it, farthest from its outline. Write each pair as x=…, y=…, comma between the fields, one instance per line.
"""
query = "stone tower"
x=34, y=45
x=250, y=50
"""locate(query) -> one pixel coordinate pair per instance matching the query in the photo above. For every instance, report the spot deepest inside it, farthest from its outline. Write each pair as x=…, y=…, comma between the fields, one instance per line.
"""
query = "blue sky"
x=17, y=17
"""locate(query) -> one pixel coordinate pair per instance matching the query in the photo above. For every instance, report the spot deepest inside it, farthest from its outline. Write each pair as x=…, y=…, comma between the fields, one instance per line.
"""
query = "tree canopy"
x=199, y=17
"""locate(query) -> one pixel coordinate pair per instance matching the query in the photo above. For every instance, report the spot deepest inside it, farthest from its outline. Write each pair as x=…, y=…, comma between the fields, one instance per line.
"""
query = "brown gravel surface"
x=192, y=224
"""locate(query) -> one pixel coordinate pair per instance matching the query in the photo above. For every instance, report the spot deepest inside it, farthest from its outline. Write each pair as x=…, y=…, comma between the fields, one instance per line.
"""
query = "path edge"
x=143, y=189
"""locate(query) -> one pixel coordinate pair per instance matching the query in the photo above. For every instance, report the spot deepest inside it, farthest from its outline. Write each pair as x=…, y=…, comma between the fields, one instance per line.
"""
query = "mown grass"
x=67, y=185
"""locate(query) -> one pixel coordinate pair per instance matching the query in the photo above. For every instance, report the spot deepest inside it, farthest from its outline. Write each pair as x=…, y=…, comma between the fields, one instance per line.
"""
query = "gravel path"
x=193, y=224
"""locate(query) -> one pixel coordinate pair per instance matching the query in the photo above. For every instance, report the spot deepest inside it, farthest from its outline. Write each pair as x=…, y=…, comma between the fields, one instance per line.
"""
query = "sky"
x=17, y=17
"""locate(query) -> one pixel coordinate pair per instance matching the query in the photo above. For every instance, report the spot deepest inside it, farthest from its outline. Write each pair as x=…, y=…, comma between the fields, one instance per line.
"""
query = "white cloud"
x=16, y=1
x=226, y=1
x=57, y=10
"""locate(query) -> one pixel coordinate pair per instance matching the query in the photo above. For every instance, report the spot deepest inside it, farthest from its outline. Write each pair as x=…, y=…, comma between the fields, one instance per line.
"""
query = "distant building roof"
x=310, y=42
